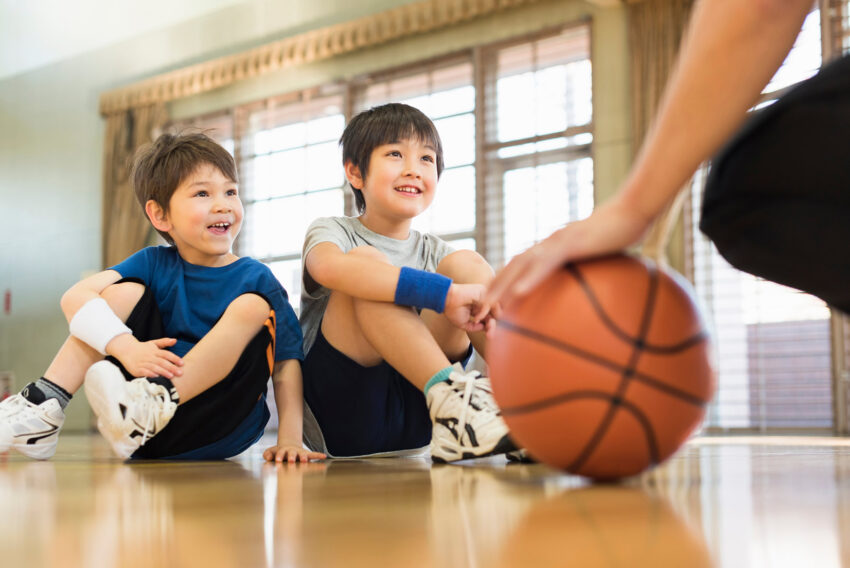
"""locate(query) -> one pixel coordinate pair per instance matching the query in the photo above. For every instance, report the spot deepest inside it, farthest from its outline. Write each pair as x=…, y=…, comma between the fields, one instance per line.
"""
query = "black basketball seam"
x=602, y=362
x=626, y=374
x=609, y=323
x=628, y=406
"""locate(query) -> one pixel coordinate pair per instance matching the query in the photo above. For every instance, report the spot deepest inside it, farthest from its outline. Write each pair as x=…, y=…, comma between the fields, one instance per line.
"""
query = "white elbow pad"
x=96, y=324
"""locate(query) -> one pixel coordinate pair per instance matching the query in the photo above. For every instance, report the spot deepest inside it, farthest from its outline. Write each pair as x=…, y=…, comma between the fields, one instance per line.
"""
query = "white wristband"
x=96, y=324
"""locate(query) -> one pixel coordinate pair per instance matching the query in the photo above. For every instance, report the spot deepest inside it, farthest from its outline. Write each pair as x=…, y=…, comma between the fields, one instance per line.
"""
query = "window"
x=289, y=160
x=538, y=135
x=773, y=343
x=445, y=93
x=516, y=124
x=837, y=42
x=837, y=26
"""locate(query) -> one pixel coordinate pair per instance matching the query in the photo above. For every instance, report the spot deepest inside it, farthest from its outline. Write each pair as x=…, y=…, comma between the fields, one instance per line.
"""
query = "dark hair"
x=385, y=124
x=161, y=166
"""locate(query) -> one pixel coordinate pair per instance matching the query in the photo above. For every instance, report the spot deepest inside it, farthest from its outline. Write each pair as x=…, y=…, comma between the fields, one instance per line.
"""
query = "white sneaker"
x=467, y=422
x=32, y=429
x=129, y=412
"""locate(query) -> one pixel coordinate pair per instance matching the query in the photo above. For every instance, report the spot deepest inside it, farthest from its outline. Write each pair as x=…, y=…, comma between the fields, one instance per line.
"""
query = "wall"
x=50, y=151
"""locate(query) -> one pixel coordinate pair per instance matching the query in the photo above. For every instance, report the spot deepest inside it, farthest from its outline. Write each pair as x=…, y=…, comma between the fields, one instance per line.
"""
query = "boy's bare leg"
x=463, y=267
x=466, y=422
x=30, y=422
x=73, y=359
x=212, y=358
x=131, y=412
x=370, y=332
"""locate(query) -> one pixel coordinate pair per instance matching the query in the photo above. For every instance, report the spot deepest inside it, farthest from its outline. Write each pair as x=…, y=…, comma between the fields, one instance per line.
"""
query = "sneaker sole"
x=514, y=458
x=38, y=451
x=98, y=385
x=504, y=446
x=42, y=451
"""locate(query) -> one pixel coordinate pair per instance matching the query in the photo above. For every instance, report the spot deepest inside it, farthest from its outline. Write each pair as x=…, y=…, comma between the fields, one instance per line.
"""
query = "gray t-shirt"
x=419, y=250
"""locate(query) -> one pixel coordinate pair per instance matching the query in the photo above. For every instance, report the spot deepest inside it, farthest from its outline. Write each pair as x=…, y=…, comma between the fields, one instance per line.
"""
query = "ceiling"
x=35, y=33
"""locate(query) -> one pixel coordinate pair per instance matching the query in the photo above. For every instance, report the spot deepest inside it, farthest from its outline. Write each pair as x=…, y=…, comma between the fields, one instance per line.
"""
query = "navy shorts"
x=224, y=418
x=363, y=410
x=779, y=194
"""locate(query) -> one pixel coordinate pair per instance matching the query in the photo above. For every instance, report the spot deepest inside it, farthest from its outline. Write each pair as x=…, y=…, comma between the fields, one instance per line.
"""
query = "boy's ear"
x=158, y=217
x=352, y=174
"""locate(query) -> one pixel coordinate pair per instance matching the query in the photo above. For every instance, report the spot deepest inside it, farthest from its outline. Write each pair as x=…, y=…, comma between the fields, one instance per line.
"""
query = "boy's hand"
x=146, y=358
x=465, y=307
x=291, y=452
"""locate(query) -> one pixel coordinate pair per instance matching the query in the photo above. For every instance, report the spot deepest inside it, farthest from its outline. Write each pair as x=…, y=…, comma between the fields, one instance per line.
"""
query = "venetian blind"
x=537, y=137
x=837, y=43
x=290, y=164
x=772, y=343
x=444, y=91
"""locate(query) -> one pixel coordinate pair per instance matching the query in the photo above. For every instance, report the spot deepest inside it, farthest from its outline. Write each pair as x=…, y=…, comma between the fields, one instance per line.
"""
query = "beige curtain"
x=656, y=28
x=125, y=226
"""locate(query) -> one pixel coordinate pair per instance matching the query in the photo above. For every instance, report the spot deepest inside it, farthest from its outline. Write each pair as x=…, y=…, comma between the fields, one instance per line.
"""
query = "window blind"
x=837, y=43
x=290, y=164
x=538, y=133
x=444, y=91
x=837, y=26
x=773, y=343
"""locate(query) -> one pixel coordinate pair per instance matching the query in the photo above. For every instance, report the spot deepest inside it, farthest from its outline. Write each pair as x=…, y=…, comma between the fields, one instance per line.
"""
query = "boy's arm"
x=288, y=397
x=360, y=276
x=355, y=275
x=92, y=321
x=85, y=290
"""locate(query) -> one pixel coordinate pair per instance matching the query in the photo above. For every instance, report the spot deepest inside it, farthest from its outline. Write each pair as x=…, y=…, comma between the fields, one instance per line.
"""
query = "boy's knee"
x=466, y=267
x=251, y=309
x=367, y=251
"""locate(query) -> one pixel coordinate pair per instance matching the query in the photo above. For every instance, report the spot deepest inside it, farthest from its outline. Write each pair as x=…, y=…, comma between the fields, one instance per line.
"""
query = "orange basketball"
x=603, y=370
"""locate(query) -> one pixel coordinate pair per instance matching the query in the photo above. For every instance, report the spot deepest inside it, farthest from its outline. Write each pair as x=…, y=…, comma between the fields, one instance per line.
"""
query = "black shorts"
x=777, y=201
x=363, y=410
x=220, y=410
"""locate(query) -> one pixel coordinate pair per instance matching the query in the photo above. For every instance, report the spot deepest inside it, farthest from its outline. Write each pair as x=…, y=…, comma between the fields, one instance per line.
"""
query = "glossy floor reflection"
x=745, y=502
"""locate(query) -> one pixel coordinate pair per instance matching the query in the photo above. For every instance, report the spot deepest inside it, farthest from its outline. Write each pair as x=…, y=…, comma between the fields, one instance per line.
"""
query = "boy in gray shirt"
x=390, y=315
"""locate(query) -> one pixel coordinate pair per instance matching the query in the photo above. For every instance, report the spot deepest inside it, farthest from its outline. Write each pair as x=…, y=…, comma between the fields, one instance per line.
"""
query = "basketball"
x=604, y=369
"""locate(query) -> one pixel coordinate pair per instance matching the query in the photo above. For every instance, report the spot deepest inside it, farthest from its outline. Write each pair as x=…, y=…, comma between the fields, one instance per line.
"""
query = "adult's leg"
x=778, y=197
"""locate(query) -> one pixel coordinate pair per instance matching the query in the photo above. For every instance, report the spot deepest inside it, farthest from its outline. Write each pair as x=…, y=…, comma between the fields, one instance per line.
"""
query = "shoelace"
x=149, y=405
x=469, y=382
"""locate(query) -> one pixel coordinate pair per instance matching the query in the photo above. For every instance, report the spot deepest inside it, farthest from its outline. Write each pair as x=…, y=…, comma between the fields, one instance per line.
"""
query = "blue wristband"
x=422, y=289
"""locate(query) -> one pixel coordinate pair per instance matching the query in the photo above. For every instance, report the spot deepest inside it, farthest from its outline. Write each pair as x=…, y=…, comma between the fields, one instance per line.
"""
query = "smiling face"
x=203, y=218
x=399, y=185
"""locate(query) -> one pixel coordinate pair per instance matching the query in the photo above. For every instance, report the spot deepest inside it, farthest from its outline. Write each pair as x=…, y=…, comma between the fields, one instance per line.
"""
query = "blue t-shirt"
x=192, y=298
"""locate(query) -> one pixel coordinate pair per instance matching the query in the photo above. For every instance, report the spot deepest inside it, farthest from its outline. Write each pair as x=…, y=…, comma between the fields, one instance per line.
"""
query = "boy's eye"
x=428, y=158
x=394, y=153
x=202, y=193
x=232, y=192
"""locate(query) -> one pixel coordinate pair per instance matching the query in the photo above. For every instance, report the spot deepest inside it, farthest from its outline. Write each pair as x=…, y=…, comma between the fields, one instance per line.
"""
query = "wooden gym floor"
x=727, y=502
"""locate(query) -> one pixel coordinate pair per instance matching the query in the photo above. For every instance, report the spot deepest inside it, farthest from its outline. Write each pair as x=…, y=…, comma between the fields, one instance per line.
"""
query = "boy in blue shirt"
x=390, y=314
x=191, y=332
